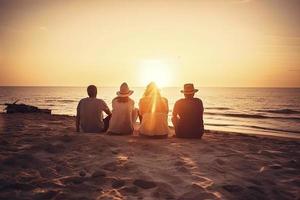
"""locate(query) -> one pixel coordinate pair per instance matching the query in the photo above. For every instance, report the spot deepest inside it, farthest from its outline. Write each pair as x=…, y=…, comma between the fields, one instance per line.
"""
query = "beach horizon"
x=224, y=108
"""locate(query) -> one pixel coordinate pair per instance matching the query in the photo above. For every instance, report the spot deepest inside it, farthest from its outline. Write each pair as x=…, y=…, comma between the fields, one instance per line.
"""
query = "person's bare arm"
x=141, y=108
x=106, y=109
x=174, y=117
x=175, y=112
x=167, y=106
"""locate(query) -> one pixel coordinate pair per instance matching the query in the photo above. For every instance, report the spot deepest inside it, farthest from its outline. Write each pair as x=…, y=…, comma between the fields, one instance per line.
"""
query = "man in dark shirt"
x=188, y=114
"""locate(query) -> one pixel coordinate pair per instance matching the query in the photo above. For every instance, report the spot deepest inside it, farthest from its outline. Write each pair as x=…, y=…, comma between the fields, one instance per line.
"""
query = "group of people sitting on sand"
x=187, y=114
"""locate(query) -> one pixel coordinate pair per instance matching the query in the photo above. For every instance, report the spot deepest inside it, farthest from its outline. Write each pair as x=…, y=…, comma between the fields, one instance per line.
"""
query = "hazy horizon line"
x=78, y=86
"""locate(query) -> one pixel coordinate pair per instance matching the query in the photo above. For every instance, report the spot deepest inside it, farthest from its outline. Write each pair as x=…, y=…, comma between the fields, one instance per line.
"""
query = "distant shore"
x=43, y=158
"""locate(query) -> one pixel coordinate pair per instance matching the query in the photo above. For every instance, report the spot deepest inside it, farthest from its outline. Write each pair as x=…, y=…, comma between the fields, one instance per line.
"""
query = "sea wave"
x=216, y=108
x=212, y=124
x=273, y=129
x=280, y=111
x=50, y=105
x=240, y=115
x=60, y=100
x=253, y=116
x=254, y=127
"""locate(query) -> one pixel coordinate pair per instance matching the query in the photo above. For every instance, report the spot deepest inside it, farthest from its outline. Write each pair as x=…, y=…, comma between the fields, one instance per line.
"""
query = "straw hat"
x=189, y=89
x=124, y=90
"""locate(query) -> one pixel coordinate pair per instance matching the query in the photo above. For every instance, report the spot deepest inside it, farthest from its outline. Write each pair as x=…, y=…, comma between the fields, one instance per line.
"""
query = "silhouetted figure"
x=153, y=111
x=124, y=114
x=90, y=113
x=188, y=114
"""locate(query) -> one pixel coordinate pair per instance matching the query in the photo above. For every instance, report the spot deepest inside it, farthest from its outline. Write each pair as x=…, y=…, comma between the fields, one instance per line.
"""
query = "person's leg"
x=106, y=122
x=174, y=121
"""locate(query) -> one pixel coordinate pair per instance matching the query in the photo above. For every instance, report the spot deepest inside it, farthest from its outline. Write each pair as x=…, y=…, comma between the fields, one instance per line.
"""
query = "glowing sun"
x=155, y=70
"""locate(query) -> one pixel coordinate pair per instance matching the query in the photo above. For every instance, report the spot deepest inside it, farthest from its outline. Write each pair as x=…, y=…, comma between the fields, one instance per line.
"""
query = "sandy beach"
x=42, y=157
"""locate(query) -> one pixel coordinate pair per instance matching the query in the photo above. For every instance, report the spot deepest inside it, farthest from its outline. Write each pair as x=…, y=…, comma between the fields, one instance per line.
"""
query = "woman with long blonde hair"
x=153, y=111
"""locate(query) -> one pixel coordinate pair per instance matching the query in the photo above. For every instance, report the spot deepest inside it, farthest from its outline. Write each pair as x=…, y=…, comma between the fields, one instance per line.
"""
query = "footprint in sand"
x=292, y=164
x=54, y=148
x=111, y=166
x=163, y=191
x=130, y=189
x=72, y=180
x=98, y=177
x=219, y=161
x=200, y=183
x=82, y=173
x=183, y=169
x=275, y=166
x=188, y=162
x=117, y=183
x=115, y=150
x=145, y=184
x=180, y=166
x=179, y=163
x=66, y=138
x=256, y=189
x=194, y=192
x=233, y=188
x=99, y=173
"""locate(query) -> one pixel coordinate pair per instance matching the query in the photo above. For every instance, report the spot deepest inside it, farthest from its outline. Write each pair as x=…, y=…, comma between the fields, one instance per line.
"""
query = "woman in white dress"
x=153, y=113
x=124, y=114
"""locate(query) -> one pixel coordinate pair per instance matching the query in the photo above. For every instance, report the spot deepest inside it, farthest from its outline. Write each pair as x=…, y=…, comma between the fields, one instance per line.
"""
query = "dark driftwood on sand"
x=23, y=108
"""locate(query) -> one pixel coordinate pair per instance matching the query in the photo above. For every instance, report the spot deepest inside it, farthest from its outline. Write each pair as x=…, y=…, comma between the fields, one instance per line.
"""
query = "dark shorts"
x=99, y=130
x=188, y=133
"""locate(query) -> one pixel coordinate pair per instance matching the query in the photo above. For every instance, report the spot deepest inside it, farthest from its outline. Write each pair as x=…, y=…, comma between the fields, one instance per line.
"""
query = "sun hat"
x=189, y=89
x=124, y=90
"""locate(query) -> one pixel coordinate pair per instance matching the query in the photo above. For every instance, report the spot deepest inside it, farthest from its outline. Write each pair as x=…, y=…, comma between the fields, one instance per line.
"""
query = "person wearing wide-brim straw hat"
x=124, y=91
x=187, y=116
x=124, y=114
x=189, y=89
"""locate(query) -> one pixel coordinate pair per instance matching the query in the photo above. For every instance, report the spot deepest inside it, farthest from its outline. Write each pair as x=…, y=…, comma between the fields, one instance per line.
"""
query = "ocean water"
x=268, y=111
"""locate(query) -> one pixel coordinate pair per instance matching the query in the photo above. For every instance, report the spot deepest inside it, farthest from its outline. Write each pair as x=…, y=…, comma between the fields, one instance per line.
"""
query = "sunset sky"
x=230, y=43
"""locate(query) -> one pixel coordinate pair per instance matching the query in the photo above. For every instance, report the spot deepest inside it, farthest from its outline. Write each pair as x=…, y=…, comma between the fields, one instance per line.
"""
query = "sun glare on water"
x=155, y=70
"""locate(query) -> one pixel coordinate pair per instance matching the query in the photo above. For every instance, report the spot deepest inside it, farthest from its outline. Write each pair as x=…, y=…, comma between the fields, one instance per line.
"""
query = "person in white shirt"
x=90, y=110
x=124, y=114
